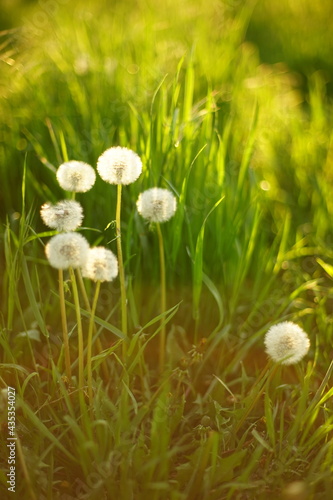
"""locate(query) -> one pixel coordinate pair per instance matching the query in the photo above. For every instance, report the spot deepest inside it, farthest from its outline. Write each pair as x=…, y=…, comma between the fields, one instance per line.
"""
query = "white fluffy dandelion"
x=101, y=265
x=156, y=204
x=65, y=215
x=76, y=176
x=286, y=343
x=67, y=250
x=119, y=165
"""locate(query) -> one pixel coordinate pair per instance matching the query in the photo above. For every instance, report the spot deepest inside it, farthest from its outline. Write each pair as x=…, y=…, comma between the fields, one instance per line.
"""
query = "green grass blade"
x=32, y=298
x=198, y=263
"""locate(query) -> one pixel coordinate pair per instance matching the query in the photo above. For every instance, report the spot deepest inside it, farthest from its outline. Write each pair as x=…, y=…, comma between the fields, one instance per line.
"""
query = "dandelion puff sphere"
x=67, y=250
x=119, y=166
x=65, y=215
x=156, y=204
x=286, y=342
x=76, y=176
x=101, y=265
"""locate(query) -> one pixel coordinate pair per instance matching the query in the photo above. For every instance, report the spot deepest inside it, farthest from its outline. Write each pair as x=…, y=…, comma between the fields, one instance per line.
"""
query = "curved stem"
x=64, y=325
x=121, y=268
x=89, y=347
x=79, y=328
x=163, y=296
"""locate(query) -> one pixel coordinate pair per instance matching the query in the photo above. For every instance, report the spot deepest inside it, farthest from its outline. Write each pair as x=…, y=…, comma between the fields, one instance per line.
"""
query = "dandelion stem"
x=90, y=335
x=163, y=296
x=87, y=305
x=64, y=325
x=79, y=328
x=121, y=269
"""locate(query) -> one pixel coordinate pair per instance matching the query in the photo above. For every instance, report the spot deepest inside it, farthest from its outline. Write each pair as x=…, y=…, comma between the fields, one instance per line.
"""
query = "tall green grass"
x=247, y=152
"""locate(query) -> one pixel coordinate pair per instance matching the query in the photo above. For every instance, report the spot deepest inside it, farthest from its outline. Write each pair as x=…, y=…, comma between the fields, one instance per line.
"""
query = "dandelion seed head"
x=287, y=343
x=67, y=250
x=101, y=265
x=119, y=165
x=65, y=215
x=156, y=204
x=76, y=176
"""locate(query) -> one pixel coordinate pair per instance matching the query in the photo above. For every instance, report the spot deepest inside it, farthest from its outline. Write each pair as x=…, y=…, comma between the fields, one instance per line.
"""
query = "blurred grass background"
x=82, y=68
